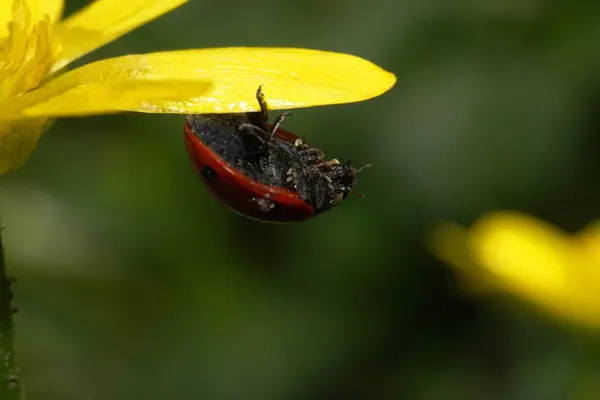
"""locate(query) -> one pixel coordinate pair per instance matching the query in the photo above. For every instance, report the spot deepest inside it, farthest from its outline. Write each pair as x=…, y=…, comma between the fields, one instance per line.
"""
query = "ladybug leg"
x=259, y=118
x=278, y=122
x=329, y=182
x=265, y=204
x=254, y=127
x=291, y=177
x=311, y=154
x=262, y=102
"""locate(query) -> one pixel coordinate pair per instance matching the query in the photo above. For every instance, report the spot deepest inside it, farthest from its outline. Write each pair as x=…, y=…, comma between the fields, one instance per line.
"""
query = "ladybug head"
x=342, y=177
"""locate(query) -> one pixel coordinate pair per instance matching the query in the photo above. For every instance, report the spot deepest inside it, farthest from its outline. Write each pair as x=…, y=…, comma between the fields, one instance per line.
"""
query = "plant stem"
x=10, y=387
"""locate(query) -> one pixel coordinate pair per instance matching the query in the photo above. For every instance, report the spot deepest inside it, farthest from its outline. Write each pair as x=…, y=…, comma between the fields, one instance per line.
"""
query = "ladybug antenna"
x=363, y=168
x=357, y=193
x=353, y=190
x=349, y=162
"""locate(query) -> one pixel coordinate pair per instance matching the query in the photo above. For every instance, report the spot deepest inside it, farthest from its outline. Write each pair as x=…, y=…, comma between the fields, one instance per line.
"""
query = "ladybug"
x=264, y=172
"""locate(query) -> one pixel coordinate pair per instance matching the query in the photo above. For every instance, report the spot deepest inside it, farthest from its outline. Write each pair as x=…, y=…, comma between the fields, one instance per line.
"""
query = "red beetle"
x=261, y=171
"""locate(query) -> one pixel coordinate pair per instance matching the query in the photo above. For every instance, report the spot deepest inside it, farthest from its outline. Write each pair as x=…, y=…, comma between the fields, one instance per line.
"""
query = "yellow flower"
x=35, y=45
x=518, y=254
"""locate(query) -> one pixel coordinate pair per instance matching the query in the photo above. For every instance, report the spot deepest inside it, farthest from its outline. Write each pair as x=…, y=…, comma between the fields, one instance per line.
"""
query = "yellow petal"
x=291, y=78
x=103, y=21
x=588, y=241
x=103, y=87
x=115, y=96
x=526, y=255
x=17, y=140
x=37, y=8
x=539, y=262
x=531, y=259
x=448, y=242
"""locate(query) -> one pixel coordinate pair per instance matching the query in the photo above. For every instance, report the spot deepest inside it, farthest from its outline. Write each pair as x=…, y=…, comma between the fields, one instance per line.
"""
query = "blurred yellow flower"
x=529, y=258
x=35, y=45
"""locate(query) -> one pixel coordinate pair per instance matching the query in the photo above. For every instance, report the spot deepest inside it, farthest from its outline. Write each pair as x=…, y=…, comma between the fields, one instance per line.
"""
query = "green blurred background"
x=135, y=284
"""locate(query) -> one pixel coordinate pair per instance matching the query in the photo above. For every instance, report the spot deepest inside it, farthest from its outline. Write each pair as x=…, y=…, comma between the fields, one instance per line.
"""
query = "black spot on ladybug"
x=208, y=174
